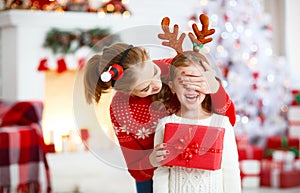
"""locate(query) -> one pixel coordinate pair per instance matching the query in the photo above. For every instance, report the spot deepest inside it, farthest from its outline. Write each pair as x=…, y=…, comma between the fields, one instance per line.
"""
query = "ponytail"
x=92, y=83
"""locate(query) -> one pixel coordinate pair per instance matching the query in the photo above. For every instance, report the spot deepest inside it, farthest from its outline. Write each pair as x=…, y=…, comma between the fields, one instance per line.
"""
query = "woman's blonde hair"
x=98, y=64
x=189, y=58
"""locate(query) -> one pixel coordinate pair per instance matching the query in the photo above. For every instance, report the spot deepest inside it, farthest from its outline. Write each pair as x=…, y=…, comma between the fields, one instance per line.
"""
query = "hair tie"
x=115, y=71
x=125, y=54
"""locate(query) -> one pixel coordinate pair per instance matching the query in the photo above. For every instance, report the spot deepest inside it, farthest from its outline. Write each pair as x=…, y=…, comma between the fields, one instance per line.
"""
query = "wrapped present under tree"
x=281, y=143
x=293, y=115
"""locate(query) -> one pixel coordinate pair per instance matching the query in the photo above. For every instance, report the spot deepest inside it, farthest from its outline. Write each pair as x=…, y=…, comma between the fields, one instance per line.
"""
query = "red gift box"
x=242, y=141
x=293, y=116
x=194, y=146
x=274, y=174
x=250, y=173
x=250, y=152
x=281, y=143
x=267, y=164
x=279, y=178
x=295, y=98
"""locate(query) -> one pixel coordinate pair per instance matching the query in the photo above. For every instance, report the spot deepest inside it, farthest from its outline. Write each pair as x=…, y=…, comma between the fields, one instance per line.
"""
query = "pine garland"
x=64, y=42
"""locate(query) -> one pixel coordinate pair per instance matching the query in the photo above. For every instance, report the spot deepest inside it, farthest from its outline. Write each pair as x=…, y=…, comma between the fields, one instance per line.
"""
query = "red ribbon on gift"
x=296, y=98
x=192, y=149
x=294, y=123
x=287, y=143
x=189, y=152
x=248, y=175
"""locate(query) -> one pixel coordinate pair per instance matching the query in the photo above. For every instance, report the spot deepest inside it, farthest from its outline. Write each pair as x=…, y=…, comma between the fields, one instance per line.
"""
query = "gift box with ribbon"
x=286, y=158
x=251, y=152
x=293, y=117
x=250, y=173
x=293, y=114
x=281, y=143
x=279, y=178
x=194, y=146
x=242, y=141
x=294, y=129
x=275, y=174
x=295, y=98
x=267, y=164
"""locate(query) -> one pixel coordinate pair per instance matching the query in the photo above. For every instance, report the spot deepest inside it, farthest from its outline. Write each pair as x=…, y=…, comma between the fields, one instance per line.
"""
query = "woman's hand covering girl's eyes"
x=204, y=82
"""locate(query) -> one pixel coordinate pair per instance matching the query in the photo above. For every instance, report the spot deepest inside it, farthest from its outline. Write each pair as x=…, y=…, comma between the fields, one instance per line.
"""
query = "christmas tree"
x=256, y=79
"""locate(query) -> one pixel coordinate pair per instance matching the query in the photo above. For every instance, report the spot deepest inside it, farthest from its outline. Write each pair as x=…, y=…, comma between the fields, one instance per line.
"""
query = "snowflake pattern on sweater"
x=134, y=121
x=134, y=116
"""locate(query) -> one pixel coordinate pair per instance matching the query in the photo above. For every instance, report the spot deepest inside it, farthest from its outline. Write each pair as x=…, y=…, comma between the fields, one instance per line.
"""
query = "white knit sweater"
x=191, y=180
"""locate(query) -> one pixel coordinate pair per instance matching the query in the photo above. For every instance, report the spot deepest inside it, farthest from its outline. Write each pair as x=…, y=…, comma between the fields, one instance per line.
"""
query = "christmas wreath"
x=64, y=42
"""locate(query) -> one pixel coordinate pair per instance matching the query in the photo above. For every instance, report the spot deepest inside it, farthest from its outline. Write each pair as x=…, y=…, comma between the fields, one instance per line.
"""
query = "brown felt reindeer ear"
x=201, y=36
x=171, y=37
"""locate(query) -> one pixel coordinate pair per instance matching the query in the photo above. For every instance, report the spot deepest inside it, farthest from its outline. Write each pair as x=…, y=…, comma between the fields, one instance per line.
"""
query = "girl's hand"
x=205, y=83
x=158, y=155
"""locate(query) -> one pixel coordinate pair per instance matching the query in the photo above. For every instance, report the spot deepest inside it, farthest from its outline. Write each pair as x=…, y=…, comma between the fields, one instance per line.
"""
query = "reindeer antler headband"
x=176, y=43
x=172, y=42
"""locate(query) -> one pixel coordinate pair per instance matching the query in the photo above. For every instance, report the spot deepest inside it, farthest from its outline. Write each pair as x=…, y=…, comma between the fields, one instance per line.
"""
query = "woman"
x=141, y=99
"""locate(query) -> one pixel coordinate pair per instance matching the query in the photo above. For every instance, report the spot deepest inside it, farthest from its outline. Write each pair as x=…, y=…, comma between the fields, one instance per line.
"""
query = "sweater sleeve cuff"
x=145, y=163
x=220, y=100
x=146, y=168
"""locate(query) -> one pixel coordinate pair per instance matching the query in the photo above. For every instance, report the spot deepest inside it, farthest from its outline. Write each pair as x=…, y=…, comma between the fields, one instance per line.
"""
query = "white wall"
x=293, y=40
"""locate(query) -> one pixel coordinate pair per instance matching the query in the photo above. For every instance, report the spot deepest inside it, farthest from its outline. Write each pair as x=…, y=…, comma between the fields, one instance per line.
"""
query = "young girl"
x=141, y=99
x=177, y=179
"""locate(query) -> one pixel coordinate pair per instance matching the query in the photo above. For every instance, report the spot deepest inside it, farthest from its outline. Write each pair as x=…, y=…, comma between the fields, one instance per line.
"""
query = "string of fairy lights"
x=102, y=7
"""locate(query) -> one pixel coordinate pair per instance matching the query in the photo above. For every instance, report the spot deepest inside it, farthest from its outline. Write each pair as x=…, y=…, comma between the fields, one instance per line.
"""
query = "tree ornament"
x=255, y=75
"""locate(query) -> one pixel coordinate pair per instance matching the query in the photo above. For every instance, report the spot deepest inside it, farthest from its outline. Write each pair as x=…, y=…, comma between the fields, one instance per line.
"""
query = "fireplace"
x=67, y=117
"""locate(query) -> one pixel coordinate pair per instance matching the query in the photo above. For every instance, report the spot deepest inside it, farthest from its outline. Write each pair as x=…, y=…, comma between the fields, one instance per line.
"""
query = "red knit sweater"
x=134, y=121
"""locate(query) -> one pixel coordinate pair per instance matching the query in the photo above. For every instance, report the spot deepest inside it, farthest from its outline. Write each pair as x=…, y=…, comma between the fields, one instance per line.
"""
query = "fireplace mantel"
x=59, y=19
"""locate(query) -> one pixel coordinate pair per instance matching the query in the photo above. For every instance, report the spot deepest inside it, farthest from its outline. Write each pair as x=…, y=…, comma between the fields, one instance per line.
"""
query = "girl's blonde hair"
x=186, y=59
x=98, y=64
